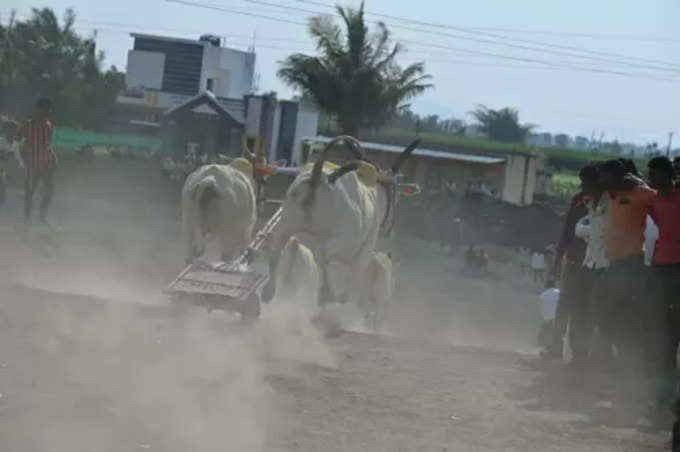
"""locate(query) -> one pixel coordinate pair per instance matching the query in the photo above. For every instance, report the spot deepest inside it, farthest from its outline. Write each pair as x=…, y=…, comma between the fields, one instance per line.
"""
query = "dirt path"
x=93, y=359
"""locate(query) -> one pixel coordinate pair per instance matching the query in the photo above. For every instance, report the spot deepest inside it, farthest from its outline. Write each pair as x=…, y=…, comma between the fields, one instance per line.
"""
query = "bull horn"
x=405, y=154
x=245, y=151
x=347, y=168
x=316, y=176
x=352, y=144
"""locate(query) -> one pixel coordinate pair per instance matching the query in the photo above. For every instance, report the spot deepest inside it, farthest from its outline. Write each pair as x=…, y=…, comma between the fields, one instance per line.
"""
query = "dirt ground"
x=94, y=358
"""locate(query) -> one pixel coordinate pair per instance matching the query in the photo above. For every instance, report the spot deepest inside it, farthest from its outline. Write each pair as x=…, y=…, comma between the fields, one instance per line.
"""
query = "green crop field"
x=565, y=185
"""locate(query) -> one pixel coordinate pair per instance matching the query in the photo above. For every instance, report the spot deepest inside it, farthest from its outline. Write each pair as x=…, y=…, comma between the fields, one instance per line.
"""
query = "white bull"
x=219, y=200
x=338, y=212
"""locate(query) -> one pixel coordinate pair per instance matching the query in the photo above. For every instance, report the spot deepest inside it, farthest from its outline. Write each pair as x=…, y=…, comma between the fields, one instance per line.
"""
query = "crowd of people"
x=607, y=292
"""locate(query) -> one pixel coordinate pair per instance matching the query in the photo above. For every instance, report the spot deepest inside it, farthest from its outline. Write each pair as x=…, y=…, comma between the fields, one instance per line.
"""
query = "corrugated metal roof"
x=431, y=153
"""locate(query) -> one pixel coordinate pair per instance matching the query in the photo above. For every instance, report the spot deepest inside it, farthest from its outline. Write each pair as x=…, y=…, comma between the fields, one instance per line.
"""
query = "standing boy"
x=39, y=158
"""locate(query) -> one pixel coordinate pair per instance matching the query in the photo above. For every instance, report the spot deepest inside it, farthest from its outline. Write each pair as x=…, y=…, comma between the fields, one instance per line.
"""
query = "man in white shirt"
x=591, y=229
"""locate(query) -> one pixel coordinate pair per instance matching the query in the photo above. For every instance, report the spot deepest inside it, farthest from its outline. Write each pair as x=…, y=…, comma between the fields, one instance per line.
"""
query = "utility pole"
x=670, y=140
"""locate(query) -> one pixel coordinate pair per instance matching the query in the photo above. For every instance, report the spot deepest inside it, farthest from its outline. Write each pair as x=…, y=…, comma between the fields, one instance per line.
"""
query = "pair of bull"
x=337, y=212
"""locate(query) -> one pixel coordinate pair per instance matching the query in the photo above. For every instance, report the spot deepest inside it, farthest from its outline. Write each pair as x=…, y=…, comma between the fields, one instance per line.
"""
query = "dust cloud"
x=93, y=357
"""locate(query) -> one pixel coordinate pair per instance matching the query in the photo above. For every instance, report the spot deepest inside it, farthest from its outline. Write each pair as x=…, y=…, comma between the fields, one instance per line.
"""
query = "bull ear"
x=344, y=169
x=405, y=154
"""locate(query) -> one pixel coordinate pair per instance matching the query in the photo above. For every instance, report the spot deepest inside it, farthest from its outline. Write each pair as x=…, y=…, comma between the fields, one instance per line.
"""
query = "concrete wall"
x=275, y=133
x=307, y=126
x=253, y=115
x=144, y=70
x=232, y=71
x=520, y=179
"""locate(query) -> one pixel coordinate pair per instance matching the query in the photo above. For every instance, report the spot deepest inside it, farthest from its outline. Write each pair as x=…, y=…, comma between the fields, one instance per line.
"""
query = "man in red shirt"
x=664, y=281
x=39, y=158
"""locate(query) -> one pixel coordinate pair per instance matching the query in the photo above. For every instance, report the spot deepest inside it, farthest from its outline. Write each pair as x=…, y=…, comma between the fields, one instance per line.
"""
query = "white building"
x=169, y=79
x=186, y=66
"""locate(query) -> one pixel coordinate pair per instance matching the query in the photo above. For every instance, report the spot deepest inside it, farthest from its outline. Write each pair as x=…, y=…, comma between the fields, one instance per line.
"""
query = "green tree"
x=40, y=57
x=355, y=76
x=501, y=125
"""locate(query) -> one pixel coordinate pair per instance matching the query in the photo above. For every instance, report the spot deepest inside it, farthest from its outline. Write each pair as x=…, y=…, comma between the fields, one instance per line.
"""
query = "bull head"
x=389, y=180
x=355, y=148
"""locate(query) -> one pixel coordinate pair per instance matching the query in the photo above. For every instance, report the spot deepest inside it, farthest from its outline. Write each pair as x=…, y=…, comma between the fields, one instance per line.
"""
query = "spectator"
x=619, y=288
x=587, y=272
x=664, y=283
x=549, y=301
x=570, y=249
x=10, y=130
x=538, y=266
x=39, y=157
x=524, y=260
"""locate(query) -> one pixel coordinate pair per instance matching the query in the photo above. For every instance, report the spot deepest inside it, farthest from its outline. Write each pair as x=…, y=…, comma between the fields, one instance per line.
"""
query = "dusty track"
x=93, y=359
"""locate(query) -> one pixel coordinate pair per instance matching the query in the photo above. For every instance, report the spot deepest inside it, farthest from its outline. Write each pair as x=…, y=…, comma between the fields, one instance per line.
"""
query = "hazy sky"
x=496, y=72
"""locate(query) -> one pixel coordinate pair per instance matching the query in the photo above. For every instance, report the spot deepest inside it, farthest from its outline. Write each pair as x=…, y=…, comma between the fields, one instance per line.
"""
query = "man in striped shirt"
x=39, y=158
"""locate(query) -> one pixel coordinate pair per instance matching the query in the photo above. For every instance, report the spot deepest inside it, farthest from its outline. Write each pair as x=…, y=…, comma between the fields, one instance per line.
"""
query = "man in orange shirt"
x=619, y=291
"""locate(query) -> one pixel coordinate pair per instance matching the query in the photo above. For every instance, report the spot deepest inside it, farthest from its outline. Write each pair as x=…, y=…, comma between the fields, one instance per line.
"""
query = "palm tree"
x=501, y=125
x=355, y=76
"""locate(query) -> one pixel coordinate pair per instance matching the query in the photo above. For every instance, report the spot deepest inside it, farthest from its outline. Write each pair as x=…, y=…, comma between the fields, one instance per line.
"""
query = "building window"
x=210, y=84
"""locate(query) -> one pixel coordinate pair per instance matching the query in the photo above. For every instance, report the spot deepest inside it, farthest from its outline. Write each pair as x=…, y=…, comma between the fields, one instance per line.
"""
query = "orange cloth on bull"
x=625, y=229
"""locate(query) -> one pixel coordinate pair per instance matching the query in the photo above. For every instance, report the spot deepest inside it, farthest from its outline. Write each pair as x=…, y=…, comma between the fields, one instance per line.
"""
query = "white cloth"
x=14, y=149
x=651, y=236
x=549, y=299
x=591, y=228
x=538, y=261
